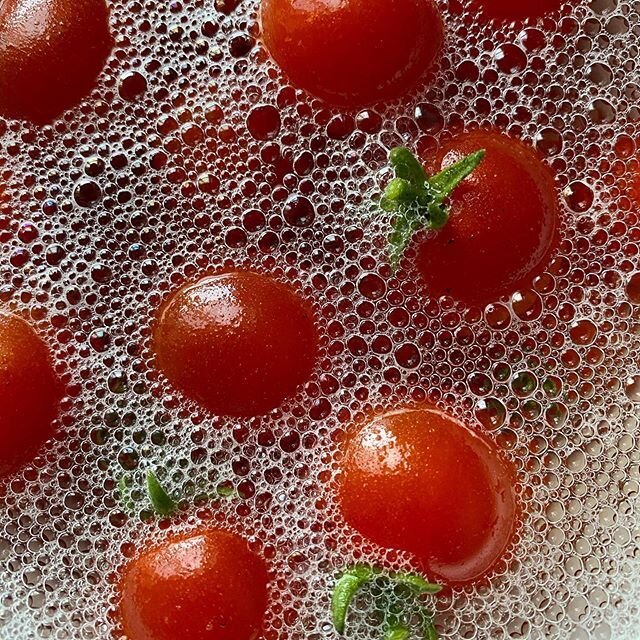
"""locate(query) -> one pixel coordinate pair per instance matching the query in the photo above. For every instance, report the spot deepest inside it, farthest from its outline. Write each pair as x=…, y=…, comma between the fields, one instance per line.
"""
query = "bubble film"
x=193, y=154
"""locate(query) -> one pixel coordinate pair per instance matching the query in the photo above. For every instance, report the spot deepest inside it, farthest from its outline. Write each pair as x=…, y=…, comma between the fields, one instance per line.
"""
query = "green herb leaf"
x=430, y=632
x=417, y=583
x=397, y=633
x=352, y=580
x=407, y=166
x=346, y=588
x=403, y=228
x=444, y=183
x=419, y=201
x=162, y=503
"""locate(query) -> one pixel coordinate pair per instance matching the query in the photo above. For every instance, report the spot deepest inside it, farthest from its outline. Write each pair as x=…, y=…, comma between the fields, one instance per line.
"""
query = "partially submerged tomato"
x=51, y=52
x=239, y=343
x=30, y=392
x=503, y=221
x=203, y=585
x=422, y=482
x=353, y=52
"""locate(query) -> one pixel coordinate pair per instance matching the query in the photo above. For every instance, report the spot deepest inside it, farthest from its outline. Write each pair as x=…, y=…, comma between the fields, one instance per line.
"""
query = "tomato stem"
x=355, y=578
x=419, y=201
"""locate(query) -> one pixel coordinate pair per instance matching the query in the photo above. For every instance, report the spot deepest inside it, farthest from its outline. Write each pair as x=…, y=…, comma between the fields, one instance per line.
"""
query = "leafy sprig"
x=417, y=200
x=355, y=578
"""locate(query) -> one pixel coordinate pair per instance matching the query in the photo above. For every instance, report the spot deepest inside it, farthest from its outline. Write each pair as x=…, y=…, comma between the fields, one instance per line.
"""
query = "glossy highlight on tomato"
x=420, y=481
x=51, y=52
x=353, y=52
x=503, y=225
x=512, y=10
x=30, y=393
x=202, y=585
x=239, y=343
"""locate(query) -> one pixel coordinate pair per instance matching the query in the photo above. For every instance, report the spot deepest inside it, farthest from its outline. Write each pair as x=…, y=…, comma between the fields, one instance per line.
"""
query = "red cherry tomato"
x=419, y=481
x=512, y=10
x=353, y=52
x=29, y=390
x=204, y=585
x=503, y=225
x=239, y=343
x=51, y=52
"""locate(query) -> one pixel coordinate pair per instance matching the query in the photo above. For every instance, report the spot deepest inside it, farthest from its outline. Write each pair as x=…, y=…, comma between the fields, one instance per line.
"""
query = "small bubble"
x=408, y=356
x=633, y=288
x=264, y=122
x=527, y=305
x=524, y=384
x=579, y=197
x=132, y=85
x=87, y=193
x=510, y=59
x=497, y=316
x=428, y=118
x=632, y=388
x=128, y=458
x=556, y=415
x=299, y=212
x=583, y=332
x=99, y=340
x=372, y=286
x=549, y=142
x=491, y=413
x=480, y=384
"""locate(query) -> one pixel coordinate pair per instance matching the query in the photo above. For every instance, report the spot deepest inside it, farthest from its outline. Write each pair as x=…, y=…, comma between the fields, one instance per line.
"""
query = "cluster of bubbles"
x=194, y=154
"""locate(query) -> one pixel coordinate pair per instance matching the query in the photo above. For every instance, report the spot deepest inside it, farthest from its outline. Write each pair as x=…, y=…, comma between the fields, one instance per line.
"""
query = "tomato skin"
x=51, y=52
x=419, y=481
x=503, y=226
x=203, y=585
x=239, y=343
x=353, y=52
x=30, y=393
x=513, y=10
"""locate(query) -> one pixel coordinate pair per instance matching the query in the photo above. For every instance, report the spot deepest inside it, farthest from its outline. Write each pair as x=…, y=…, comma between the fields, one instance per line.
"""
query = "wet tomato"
x=353, y=52
x=30, y=392
x=512, y=10
x=203, y=585
x=51, y=52
x=503, y=221
x=419, y=481
x=239, y=343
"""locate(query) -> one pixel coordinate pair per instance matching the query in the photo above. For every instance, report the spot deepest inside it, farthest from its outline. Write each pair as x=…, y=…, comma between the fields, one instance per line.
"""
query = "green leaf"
x=402, y=230
x=417, y=583
x=346, y=588
x=430, y=632
x=162, y=503
x=448, y=179
x=398, y=194
x=407, y=166
x=417, y=200
x=397, y=633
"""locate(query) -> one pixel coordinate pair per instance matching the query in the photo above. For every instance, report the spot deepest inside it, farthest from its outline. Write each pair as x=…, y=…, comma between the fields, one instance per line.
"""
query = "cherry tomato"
x=512, y=10
x=29, y=390
x=419, y=481
x=203, y=585
x=353, y=52
x=51, y=52
x=503, y=225
x=239, y=343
